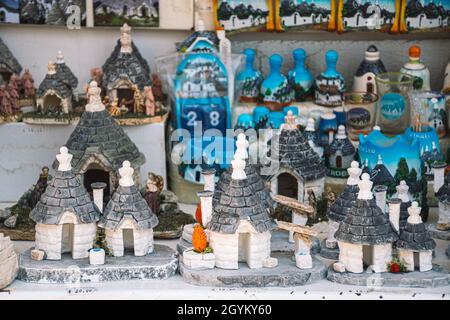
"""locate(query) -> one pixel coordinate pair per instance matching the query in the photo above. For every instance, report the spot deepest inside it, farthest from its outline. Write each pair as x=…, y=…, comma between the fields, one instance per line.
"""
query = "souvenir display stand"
x=212, y=144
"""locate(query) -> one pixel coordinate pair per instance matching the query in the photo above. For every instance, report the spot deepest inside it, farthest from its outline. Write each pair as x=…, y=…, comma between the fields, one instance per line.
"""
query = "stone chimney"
x=439, y=172
x=365, y=188
x=98, y=189
x=380, y=196
x=394, y=213
x=208, y=178
x=206, y=198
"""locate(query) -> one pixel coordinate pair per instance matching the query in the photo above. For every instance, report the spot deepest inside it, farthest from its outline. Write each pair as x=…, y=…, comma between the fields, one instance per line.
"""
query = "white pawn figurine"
x=365, y=188
x=126, y=175
x=242, y=146
x=64, y=159
x=354, y=173
x=402, y=191
x=238, y=168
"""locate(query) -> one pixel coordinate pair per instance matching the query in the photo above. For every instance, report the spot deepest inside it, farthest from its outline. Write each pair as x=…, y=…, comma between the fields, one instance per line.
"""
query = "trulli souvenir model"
x=441, y=230
x=364, y=79
x=339, y=154
x=9, y=264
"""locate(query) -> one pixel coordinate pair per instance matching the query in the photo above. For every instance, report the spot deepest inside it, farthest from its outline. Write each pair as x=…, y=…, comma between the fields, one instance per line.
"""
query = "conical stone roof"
x=98, y=134
x=343, y=204
x=7, y=60
x=128, y=202
x=64, y=193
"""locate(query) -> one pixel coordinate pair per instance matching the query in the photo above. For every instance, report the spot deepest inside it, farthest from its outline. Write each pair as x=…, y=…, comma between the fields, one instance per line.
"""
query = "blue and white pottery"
x=250, y=79
x=276, y=119
x=245, y=121
x=417, y=69
x=327, y=127
x=300, y=79
x=261, y=117
x=275, y=90
x=341, y=116
x=330, y=85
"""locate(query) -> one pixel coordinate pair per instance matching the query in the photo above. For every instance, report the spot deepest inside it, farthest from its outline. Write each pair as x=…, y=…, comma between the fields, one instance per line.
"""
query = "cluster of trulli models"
x=236, y=241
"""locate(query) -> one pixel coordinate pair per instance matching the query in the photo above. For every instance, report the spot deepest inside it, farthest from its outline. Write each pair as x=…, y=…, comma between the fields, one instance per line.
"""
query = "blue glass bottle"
x=330, y=85
x=300, y=79
x=250, y=79
x=275, y=90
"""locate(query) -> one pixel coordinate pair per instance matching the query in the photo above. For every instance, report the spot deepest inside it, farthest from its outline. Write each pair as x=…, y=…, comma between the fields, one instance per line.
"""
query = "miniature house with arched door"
x=127, y=219
x=99, y=146
x=66, y=218
x=125, y=71
x=299, y=172
x=240, y=226
x=8, y=63
x=365, y=236
x=54, y=93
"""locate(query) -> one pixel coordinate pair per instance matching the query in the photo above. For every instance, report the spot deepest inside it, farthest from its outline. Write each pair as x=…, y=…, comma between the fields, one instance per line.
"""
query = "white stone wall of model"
x=9, y=264
x=65, y=215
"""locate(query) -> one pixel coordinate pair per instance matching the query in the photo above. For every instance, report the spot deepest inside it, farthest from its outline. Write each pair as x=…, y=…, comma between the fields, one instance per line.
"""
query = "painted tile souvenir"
x=9, y=11
x=425, y=15
x=363, y=15
x=300, y=79
x=62, y=12
x=417, y=69
x=250, y=79
x=243, y=15
x=201, y=93
x=330, y=84
x=305, y=15
x=275, y=92
x=142, y=13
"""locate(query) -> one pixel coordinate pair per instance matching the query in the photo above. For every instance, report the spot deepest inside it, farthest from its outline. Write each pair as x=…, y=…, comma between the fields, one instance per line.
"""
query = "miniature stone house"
x=341, y=151
x=99, y=146
x=343, y=204
x=66, y=75
x=128, y=220
x=415, y=245
x=365, y=236
x=254, y=179
x=240, y=226
x=443, y=196
x=300, y=173
x=370, y=67
x=124, y=69
x=66, y=218
x=53, y=92
x=8, y=63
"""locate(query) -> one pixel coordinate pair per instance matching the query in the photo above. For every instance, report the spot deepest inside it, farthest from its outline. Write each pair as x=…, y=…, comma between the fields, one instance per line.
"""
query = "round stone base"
x=437, y=277
x=279, y=243
x=438, y=234
x=327, y=253
x=286, y=274
x=161, y=264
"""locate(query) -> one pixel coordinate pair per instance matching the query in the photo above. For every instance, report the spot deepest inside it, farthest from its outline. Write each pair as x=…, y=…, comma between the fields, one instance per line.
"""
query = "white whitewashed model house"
x=415, y=245
x=128, y=220
x=240, y=226
x=66, y=218
x=365, y=236
x=442, y=189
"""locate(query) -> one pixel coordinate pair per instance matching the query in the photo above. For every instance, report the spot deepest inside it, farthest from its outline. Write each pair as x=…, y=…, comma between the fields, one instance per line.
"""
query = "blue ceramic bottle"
x=300, y=79
x=250, y=79
x=330, y=85
x=275, y=90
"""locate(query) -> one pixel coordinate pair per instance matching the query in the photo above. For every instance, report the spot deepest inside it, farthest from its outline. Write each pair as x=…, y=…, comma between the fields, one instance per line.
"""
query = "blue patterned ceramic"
x=276, y=119
x=275, y=90
x=327, y=125
x=341, y=116
x=245, y=121
x=250, y=79
x=300, y=79
x=260, y=117
x=330, y=85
